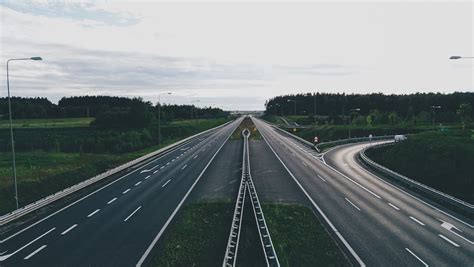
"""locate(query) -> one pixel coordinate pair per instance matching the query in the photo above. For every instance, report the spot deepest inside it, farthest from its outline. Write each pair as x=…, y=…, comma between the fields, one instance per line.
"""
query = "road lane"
x=378, y=233
x=105, y=239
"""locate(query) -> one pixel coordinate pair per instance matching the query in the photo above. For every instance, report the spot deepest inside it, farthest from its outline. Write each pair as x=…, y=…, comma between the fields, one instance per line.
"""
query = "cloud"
x=86, y=12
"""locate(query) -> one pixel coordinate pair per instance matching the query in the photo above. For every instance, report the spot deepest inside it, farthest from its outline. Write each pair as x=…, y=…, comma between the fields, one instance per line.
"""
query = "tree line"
x=109, y=111
x=376, y=108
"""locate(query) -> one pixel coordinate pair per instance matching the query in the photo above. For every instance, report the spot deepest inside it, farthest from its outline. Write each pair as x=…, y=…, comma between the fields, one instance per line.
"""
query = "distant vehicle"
x=400, y=138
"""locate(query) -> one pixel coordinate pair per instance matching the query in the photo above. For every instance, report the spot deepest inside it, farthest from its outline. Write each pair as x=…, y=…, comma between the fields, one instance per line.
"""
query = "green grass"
x=47, y=123
x=442, y=160
x=299, y=238
x=41, y=173
x=246, y=124
x=198, y=238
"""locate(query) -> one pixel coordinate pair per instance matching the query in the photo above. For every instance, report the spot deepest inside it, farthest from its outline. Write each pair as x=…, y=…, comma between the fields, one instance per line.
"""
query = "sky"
x=234, y=55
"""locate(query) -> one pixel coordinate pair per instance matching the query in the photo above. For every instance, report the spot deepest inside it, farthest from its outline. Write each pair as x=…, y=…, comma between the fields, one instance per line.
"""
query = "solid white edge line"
x=169, y=180
x=131, y=214
x=166, y=153
x=354, y=205
x=157, y=237
x=93, y=213
x=343, y=240
x=448, y=240
x=98, y=190
x=2, y=258
x=320, y=177
x=416, y=220
x=414, y=197
x=69, y=229
x=393, y=206
x=112, y=200
x=34, y=252
x=418, y=258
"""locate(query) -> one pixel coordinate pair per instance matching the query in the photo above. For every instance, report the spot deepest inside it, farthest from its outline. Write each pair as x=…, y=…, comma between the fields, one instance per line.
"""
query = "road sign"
x=316, y=139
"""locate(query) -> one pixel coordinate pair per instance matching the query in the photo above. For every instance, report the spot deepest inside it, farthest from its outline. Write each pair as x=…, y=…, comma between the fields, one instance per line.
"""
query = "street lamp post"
x=433, y=108
x=159, y=116
x=354, y=110
x=294, y=101
x=11, y=126
x=314, y=115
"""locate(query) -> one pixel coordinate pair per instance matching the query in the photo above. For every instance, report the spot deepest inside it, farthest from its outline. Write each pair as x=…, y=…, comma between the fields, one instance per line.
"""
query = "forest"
x=376, y=108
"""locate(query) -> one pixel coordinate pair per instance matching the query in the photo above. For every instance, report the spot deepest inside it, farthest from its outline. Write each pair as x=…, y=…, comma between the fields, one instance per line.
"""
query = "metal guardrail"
x=353, y=140
x=433, y=193
x=4, y=219
x=234, y=235
x=246, y=183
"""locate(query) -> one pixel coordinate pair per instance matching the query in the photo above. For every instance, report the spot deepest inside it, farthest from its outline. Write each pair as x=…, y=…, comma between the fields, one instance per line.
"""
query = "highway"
x=374, y=221
x=118, y=224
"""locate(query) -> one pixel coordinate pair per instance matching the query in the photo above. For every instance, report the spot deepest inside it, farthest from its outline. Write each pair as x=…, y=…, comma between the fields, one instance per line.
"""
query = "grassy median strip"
x=299, y=238
x=246, y=124
x=198, y=237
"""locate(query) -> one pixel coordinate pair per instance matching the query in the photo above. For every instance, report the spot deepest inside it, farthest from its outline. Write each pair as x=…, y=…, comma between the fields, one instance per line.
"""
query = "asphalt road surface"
x=117, y=224
x=377, y=223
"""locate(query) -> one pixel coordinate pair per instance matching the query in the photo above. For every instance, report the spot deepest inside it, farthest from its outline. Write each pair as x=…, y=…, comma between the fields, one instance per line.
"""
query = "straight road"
x=117, y=224
x=377, y=223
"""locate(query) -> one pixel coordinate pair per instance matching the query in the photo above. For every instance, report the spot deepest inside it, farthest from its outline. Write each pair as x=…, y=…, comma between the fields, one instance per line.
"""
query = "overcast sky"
x=235, y=55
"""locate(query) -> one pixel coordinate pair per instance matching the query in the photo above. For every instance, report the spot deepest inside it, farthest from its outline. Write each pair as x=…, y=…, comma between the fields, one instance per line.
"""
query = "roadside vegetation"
x=375, y=114
x=442, y=160
x=54, y=152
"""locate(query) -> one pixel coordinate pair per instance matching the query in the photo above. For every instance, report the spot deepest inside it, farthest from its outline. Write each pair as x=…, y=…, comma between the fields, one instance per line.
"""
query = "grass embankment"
x=246, y=124
x=198, y=237
x=47, y=123
x=41, y=172
x=328, y=132
x=299, y=238
x=442, y=160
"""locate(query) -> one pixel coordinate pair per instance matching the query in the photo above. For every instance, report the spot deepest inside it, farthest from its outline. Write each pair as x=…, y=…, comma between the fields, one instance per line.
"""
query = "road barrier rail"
x=9, y=217
x=438, y=196
x=246, y=184
x=234, y=235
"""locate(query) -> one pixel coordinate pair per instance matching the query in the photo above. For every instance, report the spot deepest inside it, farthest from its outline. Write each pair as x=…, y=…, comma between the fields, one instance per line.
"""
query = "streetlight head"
x=36, y=58
x=455, y=57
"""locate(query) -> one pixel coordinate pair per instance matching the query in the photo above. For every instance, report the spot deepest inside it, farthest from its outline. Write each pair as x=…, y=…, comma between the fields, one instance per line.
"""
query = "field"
x=47, y=123
x=442, y=160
